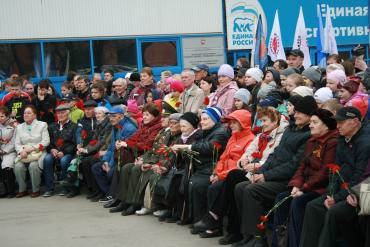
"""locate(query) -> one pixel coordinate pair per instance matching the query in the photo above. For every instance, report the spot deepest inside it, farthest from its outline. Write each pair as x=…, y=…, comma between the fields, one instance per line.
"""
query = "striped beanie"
x=214, y=113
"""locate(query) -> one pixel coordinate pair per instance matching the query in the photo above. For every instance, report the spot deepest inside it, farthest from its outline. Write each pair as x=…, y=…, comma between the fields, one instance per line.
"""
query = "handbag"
x=282, y=234
x=33, y=156
x=364, y=202
x=162, y=187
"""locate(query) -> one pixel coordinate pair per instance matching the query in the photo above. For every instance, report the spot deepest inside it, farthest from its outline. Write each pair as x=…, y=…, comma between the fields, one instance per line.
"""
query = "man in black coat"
x=61, y=149
x=333, y=215
x=44, y=102
x=253, y=198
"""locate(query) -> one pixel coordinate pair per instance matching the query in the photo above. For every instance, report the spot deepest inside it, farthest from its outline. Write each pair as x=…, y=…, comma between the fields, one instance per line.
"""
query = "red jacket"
x=312, y=175
x=236, y=145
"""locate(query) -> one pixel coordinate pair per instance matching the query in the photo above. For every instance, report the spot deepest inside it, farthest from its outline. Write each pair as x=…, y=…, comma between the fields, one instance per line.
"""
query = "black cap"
x=306, y=105
x=69, y=97
x=167, y=109
x=113, y=100
x=62, y=107
x=90, y=103
x=192, y=118
x=295, y=53
x=294, y=99
x=200, y=67
x=348, y=112
x=135, y=76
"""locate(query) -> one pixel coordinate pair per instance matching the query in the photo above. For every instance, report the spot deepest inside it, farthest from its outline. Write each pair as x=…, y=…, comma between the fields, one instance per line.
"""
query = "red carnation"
x=131, y=143
x=261, y=227
x=83, y=134
x=159, y=164
x=178, y=103
x=93, y=142
x=41, y=147
x=344, y=186
x=256, y=130
x=59, y=142
x=263, y=218
x=206, y=101
x=333, y=168
x=217, y=145
x=257, y=155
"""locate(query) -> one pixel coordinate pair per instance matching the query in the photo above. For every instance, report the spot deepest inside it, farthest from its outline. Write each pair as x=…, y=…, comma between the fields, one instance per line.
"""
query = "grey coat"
x=7, y=146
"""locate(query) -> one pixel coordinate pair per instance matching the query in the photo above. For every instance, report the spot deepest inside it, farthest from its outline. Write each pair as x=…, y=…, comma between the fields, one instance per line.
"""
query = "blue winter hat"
x=116, y=110
x=269, y=101
x=214, y=113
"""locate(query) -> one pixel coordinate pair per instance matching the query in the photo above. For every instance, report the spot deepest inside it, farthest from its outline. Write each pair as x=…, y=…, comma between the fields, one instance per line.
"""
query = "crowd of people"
x=197, y=148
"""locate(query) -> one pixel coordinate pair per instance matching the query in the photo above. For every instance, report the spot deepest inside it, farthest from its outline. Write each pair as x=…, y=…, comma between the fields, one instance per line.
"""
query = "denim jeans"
x=49, y=162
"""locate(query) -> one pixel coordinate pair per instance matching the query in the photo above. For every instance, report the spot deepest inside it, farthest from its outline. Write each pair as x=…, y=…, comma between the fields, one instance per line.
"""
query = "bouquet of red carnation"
x=206, y=101
x=59, y=143
x=83, y=134
x=264, y=218
x=334, y=170
x=93, y=142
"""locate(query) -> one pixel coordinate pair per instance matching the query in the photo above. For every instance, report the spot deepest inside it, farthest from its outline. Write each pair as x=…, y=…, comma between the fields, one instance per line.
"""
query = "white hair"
x=101, y=108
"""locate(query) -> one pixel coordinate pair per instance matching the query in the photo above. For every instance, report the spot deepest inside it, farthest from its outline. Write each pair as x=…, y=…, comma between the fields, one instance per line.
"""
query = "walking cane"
x=184, y=204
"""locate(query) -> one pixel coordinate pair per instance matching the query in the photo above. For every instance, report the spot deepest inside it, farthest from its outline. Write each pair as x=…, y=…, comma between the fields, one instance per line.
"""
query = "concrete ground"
x=58, y=221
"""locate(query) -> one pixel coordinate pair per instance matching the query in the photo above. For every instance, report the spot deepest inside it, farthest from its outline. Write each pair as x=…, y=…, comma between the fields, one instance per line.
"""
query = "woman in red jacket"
x=311, y=177
x=240, y=124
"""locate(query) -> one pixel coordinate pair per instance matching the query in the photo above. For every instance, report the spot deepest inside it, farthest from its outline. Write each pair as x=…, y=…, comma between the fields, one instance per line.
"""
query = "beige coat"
x=32, y=135
x=7, y=139
x=192, y=100
x=275, y=135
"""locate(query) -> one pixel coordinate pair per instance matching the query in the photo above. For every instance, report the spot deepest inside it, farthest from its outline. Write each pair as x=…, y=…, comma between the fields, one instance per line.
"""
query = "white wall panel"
x=48, y=19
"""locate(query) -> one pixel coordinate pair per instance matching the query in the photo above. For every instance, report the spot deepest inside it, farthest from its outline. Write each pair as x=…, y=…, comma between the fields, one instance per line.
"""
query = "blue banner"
x=350, y=19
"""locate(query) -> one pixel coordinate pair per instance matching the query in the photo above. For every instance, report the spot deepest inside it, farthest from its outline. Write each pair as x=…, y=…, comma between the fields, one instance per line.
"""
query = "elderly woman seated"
x=31, y=140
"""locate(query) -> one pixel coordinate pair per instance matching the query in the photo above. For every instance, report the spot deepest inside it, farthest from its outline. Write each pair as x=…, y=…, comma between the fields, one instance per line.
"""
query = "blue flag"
x=321, y=56
x=260, y=52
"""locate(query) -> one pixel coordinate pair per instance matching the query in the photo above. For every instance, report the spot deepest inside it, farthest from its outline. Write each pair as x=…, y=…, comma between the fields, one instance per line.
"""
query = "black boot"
x=119, y=208
x=9, y=181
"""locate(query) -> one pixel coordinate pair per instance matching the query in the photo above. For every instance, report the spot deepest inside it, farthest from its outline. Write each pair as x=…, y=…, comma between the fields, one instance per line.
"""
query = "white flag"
x=330, y=44
x=300, y=39
x=275, y=45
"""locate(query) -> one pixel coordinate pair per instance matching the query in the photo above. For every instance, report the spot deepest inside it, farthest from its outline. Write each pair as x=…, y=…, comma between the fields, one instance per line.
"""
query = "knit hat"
x=265, y=89
x=135, y=77
x=243, y=95
x=306, y=105
x=323, y=94
x=312, y=73
x=226, y=70
x=191, y=118
x=277, y=95
x=351, y=86
x=177, y=86
x=175, y=116
x=294, y=99
x=132, y=106
x=269, y=101
x=275, y=75
x=303, y=91
x=338, y=76
x=326, y=117
x=214, y=113
x=289, y=71
x=255, y=73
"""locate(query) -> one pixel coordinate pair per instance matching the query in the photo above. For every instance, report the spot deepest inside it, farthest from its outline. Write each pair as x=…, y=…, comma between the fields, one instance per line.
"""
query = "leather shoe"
x=230, y=239
x=130, y=211
x=211, y=233
x=119, y=208
x=92, y=195
x=21, y=194
x=35, y=194
x=73, y=193
x=207, y=223
x=112, y=204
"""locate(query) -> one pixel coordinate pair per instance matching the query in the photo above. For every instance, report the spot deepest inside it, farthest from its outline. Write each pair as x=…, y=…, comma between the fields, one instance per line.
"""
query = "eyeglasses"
x=173, y=122
x=113, y=86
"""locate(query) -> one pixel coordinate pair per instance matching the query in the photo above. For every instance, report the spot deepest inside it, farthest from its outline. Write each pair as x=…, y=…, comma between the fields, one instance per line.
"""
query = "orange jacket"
x=236, y=145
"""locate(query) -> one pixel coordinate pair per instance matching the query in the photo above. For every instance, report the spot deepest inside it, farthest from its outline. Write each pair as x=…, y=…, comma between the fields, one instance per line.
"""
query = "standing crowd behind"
x=197, y=148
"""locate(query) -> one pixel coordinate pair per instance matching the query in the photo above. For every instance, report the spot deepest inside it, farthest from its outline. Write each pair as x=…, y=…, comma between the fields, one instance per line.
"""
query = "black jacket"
x=63, y=140
x=102, y=134
x=206, y=150
x=353, y=157
x=45, y=108
x=86, y=130
x=283, y=163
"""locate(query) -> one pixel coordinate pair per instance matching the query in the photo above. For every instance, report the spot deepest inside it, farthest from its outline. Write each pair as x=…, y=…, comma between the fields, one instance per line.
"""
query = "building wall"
x=54, y=19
